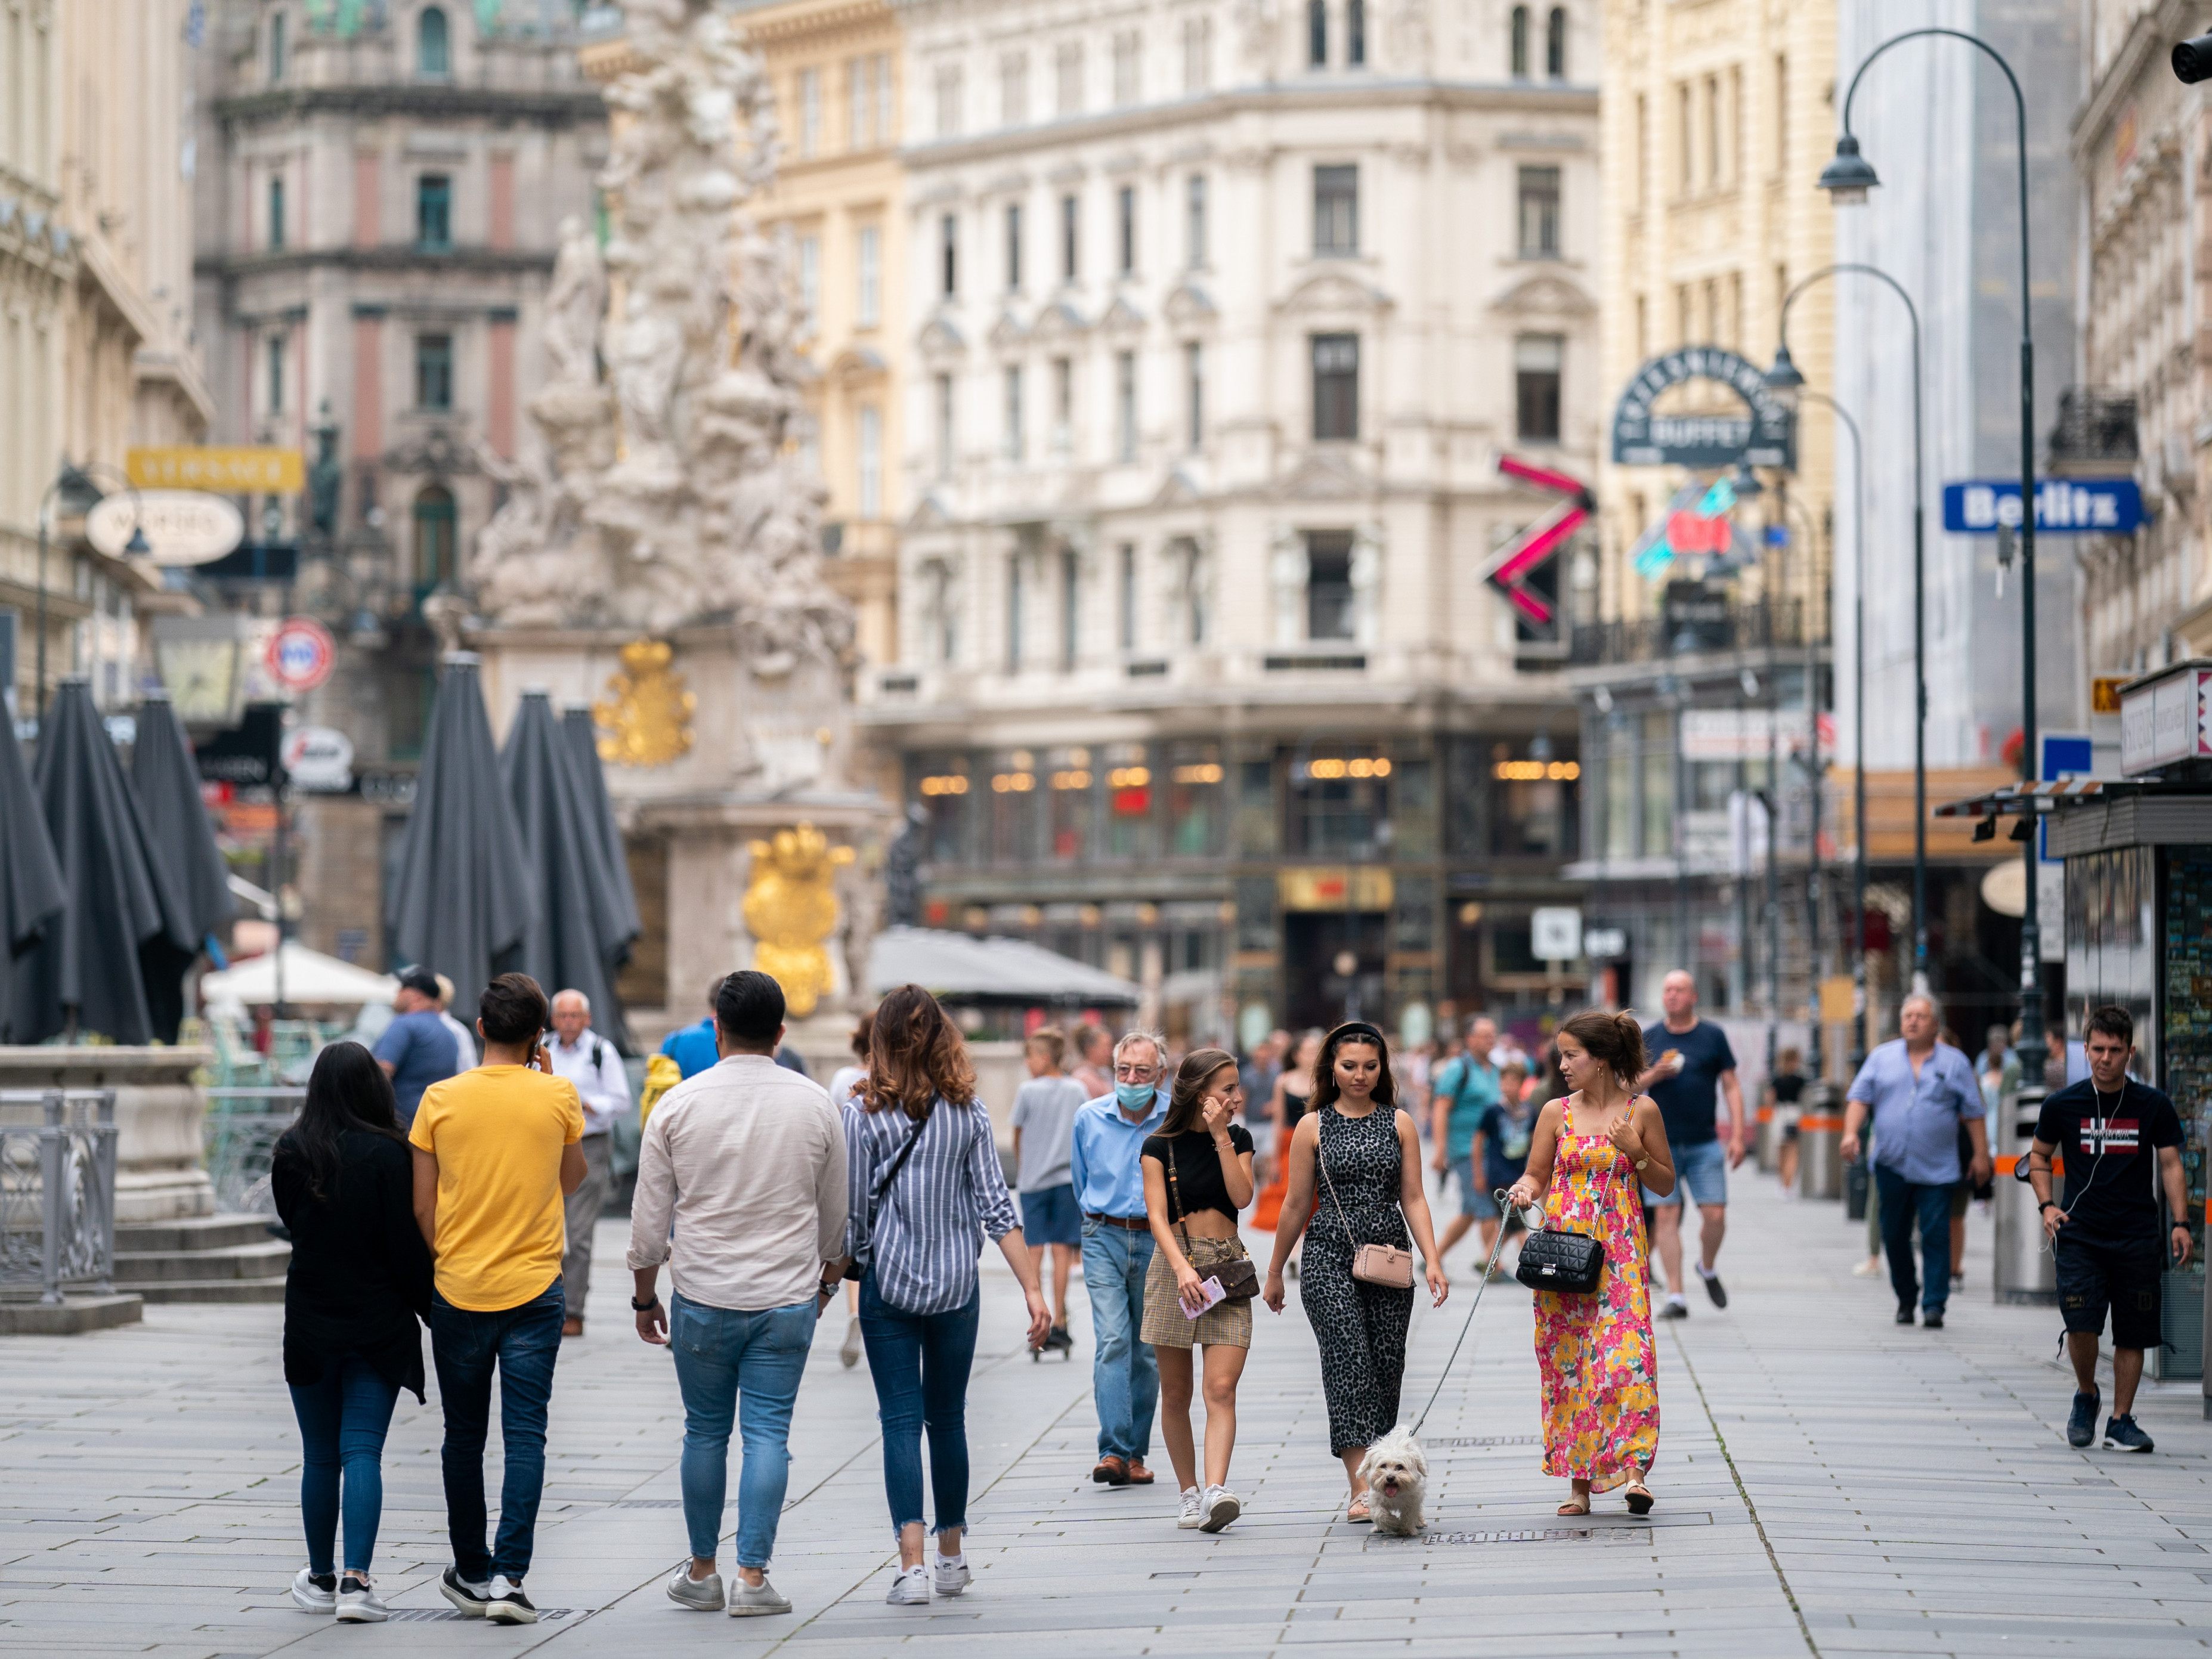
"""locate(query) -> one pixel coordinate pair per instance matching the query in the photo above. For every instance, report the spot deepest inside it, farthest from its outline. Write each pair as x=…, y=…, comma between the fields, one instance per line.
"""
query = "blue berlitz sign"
x=2064, y=507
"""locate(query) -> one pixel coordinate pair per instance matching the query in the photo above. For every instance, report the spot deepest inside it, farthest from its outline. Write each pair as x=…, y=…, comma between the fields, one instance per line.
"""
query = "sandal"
x=1575, y=1506
x=1356, y=1511
x=1640, y=1498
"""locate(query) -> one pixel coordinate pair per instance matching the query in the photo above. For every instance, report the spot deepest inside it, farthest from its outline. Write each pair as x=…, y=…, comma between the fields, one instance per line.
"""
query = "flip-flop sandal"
x=1356, y=1512
x=1575, y=1506
x=1640, y=1499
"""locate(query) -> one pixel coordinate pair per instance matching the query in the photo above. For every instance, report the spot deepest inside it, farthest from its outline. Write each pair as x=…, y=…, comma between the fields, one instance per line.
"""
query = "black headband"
x=1356, y=1028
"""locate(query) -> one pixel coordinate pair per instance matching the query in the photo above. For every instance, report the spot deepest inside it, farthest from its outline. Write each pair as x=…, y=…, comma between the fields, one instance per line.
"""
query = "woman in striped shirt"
x=927, y=1187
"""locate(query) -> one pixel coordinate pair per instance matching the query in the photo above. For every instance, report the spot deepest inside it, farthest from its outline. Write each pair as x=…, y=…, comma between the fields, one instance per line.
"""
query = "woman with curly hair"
x=1590, y=1149
x=926, y=1187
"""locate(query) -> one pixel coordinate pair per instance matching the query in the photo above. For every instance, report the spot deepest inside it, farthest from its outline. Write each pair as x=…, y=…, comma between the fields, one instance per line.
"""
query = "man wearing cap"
x=416, y=1050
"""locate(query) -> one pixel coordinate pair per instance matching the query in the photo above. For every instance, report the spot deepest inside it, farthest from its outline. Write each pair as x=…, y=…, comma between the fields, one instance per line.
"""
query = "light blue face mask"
x=1133, y=1096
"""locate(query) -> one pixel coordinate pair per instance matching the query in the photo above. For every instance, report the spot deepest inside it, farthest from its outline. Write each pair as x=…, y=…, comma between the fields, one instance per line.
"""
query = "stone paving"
x=1828, y=1483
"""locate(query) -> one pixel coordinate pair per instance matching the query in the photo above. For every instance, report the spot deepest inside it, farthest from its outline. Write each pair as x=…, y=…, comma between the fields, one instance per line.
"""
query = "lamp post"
x=1847, y=179
x=75, y=482
x=1785, y=378
x=1812, y=1044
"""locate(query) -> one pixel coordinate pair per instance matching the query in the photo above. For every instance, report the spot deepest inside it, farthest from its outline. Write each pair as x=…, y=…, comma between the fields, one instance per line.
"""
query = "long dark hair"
x=915, y=1055
x=1352, y=1030
x=1186, y=1103
x=347, y=1091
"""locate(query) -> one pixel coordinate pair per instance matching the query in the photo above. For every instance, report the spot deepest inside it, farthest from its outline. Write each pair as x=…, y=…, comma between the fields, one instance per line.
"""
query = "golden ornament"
x=647, y=720
x=791, y=910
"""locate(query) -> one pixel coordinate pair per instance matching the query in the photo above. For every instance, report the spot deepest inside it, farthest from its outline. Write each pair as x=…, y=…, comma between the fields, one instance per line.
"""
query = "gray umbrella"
x=460, y=901
x=123, y=926
x=180, y=838
x=32, y=895
x=579, y=936
x=584, y=748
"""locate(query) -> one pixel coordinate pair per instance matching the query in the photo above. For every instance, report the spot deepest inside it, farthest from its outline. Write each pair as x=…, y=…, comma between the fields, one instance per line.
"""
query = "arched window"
x=434, y=525
x=1517, y=49
x=433, y=49
x=1355, y=34
x=1317, y=33
x=1555, y=44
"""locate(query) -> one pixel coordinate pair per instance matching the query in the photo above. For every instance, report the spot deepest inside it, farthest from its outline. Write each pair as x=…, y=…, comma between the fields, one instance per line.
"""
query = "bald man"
x=589, y=1061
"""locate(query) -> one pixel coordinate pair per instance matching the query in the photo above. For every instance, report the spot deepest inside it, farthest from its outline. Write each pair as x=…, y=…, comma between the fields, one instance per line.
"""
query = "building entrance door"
x=1318, y=992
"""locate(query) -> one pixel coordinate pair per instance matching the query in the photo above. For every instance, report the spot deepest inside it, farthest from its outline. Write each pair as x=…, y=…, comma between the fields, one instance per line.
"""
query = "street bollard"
x=1819, y=1144
x=2025, y=1270
x=1766, y=1141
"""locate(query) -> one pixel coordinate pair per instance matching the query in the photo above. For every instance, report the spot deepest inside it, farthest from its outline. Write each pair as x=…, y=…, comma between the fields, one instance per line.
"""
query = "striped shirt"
x=930, y=1227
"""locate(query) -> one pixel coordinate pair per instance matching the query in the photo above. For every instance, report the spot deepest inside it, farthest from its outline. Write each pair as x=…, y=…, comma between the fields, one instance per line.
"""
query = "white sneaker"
x=1221, y=1506
x=699, y=1595
x=310, y=1596
x=910, y=1589
x=359, y=1603
x=1194, y=1507
x=753, y=1601
x=949, y=1575
x=1868, y=1268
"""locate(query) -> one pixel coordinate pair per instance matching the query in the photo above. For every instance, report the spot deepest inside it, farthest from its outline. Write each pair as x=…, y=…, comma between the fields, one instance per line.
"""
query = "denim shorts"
x=1700, y=1169
x=1474, y=1199
x=1049, y=1217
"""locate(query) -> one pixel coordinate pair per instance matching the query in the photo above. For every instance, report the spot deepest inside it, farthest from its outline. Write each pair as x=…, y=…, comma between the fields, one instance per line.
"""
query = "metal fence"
x=57, y=1189
x=241, y=1131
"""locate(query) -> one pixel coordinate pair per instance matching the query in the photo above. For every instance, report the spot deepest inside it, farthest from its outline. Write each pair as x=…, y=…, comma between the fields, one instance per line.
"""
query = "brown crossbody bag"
x=1373, y=1264
x=1240, y=1279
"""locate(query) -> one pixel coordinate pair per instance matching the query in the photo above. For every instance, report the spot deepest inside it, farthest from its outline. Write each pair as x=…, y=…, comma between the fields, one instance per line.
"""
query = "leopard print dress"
x=1361, y=1327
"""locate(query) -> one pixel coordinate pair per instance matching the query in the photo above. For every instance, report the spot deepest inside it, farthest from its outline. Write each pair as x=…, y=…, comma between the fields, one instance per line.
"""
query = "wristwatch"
x=645, y=1307
x=1642, y=1164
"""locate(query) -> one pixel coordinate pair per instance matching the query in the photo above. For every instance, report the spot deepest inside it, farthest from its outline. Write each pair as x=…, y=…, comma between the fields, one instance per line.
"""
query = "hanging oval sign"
x=181, y=526
x=1765, y=434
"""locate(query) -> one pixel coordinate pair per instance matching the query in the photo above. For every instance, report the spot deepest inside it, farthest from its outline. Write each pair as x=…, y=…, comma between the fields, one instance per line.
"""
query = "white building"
x=1224, y=316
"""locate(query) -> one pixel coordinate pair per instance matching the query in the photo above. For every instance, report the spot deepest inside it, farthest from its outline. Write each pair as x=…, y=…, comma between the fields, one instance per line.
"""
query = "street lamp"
x=74, y=485
x=1847, y=179
x=1786, y=379
x=1812, y=779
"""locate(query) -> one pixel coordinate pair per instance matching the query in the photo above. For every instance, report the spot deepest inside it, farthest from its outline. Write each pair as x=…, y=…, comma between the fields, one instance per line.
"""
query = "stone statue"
x=671, y=492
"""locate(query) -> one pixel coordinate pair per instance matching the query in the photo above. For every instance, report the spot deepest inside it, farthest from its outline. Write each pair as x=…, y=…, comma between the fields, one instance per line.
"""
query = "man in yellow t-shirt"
x=496, y=1150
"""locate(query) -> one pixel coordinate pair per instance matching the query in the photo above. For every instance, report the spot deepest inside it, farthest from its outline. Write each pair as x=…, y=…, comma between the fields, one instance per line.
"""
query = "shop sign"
x=1765, y=434
x=242, y=470
x=1334, y=887
x=2064, y=507
x=2164, y=720
x=181, y=526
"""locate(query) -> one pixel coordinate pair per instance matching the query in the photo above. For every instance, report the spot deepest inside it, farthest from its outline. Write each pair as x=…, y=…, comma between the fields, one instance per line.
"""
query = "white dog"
x=1396, y=1471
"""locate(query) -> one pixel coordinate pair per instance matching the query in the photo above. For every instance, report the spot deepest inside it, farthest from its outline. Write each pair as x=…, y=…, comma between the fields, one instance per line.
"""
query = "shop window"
x=1256, y=808
x=1070, y=790
x=1015, y=807
x=1338, y=798
x=1197, y=800
x=1131, y=791
x=944, y=791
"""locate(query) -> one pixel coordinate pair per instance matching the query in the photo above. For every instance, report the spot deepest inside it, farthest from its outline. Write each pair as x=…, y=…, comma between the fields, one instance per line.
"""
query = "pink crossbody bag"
x=1371, y=1264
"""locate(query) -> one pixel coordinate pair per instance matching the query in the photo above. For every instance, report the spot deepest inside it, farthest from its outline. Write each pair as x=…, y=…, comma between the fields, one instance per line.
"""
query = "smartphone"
x=1211, y=1289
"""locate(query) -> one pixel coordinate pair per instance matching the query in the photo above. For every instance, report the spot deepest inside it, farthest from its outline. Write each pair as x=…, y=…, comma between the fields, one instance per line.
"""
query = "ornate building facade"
x=1222, y=319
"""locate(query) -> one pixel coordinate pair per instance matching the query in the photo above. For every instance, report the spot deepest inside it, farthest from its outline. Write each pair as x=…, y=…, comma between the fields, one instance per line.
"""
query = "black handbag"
x=1570, y=1262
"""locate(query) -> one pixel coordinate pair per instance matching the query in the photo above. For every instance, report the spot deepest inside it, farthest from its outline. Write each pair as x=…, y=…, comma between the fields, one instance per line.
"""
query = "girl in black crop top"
x=1198, y=1171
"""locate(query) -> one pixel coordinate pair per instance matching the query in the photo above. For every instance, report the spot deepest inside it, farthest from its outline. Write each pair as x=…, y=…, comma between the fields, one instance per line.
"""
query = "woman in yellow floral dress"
x=1591, y=1150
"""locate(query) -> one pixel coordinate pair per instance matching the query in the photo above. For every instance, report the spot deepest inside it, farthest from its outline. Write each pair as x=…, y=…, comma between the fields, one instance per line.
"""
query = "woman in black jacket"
x=359, y=1280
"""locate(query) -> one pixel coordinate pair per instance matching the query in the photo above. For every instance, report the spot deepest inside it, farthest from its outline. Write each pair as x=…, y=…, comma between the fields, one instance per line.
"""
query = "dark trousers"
x=920, y=1363
x=523, y=1343
x=1904, y=1202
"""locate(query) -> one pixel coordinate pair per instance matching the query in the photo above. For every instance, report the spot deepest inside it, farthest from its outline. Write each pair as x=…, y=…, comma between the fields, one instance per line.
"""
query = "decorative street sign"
x=246, y=470
x=181, y=526
x=2064, y=507
x=1526, y=553
x=1765, y=435
x=302, y=654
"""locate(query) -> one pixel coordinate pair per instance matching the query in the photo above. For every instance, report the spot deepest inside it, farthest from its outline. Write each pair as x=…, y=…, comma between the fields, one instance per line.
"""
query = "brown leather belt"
x=1134, y=1223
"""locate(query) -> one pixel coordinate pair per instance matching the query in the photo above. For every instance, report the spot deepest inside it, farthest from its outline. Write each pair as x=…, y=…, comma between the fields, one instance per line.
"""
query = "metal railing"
x=57, y=1189
x=1653, y=639
x=242, y=1128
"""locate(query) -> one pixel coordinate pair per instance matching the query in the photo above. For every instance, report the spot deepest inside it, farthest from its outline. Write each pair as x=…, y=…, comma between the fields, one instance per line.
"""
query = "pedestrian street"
x=1828, y=1483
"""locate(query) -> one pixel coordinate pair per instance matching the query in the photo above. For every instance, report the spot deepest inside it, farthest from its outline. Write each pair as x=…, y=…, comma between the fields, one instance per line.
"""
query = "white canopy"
x=309, y=976
x=962, y=967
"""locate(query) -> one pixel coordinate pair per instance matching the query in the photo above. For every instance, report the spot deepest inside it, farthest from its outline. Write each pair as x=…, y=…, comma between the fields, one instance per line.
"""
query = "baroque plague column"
x=659, y=553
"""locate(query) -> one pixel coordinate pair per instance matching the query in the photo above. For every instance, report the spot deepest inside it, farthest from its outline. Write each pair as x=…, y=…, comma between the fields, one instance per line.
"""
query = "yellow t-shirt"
x=497, y=1134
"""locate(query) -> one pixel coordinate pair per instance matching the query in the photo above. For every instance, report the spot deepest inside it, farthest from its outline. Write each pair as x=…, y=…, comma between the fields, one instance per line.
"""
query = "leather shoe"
x=572, y=1326
x=1111, y=1471
x=1139, y=1474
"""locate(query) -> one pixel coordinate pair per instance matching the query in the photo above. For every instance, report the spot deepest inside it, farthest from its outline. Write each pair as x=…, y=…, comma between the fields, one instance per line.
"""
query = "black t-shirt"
x=2111, y=1184
x=1789, y=1088
x=1197, y=1169
x=1688, y=1101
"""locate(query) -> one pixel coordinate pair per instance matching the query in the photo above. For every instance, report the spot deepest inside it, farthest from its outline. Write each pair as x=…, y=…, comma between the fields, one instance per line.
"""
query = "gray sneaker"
x=359, y=1603
x=752, y=1600
x=700, y=1594
x=313, y=1595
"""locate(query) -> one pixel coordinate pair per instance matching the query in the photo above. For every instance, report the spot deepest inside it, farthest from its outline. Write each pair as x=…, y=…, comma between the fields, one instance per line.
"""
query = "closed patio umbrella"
x=461, y=903
x=583, y=739
x=579, y=935
x=122, y=925
x=181, y=840
x=31, y=891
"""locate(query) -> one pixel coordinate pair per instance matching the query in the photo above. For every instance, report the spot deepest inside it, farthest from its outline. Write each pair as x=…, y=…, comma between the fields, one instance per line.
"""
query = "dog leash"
x=1489, y=1269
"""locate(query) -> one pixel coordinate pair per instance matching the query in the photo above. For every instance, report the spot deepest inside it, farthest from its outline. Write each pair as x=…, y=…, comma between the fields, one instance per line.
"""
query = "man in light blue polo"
x=1106, y=1163
x=1919, y=1093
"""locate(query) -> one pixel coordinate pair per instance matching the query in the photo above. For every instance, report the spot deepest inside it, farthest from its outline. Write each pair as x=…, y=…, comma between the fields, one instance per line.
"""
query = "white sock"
x=1703, y=1272
x=502, y=1585
x=1676, y=1296
x=959, y=1560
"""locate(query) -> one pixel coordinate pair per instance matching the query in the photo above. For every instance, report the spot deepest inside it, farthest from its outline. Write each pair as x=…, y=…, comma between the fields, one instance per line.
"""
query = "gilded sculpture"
x=791, y=910
x=645, y=719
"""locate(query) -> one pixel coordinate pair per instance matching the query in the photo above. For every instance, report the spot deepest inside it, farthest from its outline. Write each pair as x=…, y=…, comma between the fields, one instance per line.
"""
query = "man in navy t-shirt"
x=1690, y=1059
x=416, y=1050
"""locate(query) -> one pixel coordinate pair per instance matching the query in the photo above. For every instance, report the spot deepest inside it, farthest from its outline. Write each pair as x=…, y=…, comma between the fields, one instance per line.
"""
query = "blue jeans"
x=523, y=1342
x=920, y=1363
x=343, y=1417
x=1124, y=1376
x=746, y=1365
x=1904, y=1202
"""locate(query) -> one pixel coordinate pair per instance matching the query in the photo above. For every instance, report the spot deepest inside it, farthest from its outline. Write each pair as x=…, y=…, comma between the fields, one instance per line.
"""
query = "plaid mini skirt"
x=1226, y=1324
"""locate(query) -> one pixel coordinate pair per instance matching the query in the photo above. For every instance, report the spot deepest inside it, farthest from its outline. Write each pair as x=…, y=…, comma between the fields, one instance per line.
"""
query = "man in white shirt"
x=464, y=1040
x=741, y=1190
x=589, y=1061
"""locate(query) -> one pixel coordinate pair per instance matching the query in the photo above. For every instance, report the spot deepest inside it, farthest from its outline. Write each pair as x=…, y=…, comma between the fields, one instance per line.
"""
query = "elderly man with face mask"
x=1919, y=1093
x=592, y=1063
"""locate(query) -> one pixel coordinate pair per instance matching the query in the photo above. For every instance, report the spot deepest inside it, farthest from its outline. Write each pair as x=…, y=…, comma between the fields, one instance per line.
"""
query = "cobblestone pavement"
x=1828, y=1483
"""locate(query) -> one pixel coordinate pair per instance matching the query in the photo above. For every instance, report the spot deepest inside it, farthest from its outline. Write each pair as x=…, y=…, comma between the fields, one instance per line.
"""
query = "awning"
x=961, y=968
x=2015, y=799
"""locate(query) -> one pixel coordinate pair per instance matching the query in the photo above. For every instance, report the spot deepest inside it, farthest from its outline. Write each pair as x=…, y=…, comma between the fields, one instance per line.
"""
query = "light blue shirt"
x=1106, y=1156
x=1916, y=1119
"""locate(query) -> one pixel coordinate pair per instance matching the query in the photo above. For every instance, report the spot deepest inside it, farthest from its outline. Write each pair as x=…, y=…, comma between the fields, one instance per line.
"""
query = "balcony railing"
x=1693, y=631
x=2093, y=426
